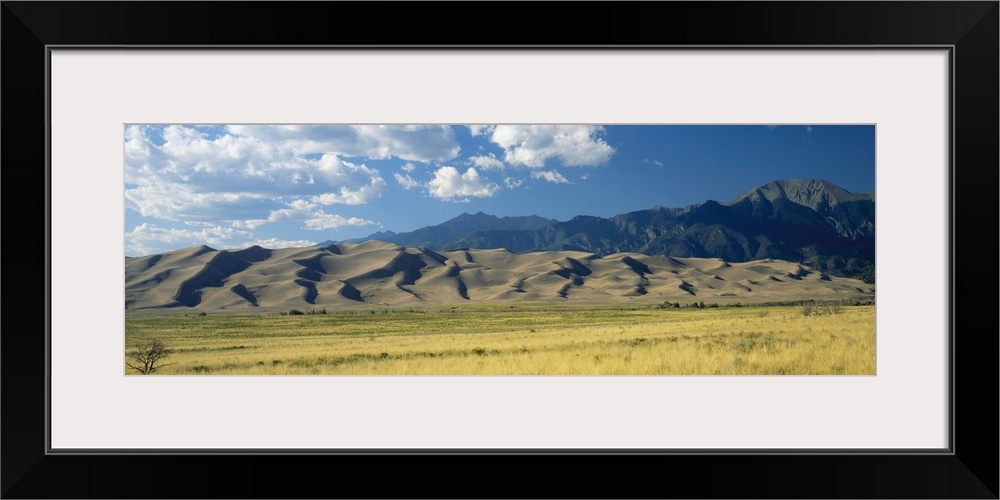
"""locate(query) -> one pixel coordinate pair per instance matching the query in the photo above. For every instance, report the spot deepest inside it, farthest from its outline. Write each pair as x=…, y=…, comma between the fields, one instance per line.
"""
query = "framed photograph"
x=545, y=266
x=260, y=181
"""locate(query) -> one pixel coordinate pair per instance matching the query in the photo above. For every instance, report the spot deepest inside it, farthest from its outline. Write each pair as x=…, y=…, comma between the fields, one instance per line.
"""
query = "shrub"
x=295, y=312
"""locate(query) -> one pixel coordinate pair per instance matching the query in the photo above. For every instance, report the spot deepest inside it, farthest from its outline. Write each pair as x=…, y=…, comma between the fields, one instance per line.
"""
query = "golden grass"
x=520, y=341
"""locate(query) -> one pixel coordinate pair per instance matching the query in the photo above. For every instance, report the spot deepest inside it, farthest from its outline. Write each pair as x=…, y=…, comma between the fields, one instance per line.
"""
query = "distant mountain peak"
x=477, y=215
x=459, y=226
x=818, y=194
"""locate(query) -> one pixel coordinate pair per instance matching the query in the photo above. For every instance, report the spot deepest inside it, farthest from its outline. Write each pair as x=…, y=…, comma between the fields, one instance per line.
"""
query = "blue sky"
x=232, y=186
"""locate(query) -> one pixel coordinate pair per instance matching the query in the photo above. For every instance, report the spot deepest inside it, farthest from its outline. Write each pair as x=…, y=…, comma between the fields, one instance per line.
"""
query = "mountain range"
x=810, y=221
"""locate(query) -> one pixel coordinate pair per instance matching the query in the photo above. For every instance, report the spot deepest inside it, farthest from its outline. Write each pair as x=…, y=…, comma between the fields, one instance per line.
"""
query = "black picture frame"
x=970, y=470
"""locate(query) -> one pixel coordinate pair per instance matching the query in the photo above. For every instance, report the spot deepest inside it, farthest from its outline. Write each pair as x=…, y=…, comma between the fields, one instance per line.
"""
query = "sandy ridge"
x=386, y=274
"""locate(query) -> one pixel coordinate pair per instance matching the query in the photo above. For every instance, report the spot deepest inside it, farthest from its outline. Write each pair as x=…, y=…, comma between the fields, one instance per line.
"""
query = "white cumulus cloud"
x=321, y=221
x=195, y=175
x=549, y=175
x=512, y=183
x=406, y=181
x=449, y=183
x=533, y=145
x=481, y=129
x=314, y=217
x=422, y=143
x=249, y=223
x=486, y=162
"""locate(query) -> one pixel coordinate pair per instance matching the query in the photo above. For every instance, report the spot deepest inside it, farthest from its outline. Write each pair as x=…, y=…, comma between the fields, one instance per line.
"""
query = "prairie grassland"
x=522, y=341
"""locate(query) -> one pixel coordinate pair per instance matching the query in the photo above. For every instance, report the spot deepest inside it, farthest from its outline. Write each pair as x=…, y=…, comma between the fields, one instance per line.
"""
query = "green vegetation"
x=521, y=340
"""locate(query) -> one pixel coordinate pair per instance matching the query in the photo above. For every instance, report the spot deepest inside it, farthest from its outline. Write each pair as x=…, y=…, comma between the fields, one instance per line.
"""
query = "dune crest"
x=386, y=274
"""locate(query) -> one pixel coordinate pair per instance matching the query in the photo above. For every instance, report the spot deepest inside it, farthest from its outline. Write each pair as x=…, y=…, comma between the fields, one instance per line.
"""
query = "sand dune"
x=386, y=274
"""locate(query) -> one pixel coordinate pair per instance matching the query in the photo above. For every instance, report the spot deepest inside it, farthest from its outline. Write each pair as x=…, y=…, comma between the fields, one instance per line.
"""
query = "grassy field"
x=542, y=340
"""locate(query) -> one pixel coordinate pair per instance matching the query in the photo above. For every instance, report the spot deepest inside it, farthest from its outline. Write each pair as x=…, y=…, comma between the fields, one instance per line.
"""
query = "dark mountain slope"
x=802, y=220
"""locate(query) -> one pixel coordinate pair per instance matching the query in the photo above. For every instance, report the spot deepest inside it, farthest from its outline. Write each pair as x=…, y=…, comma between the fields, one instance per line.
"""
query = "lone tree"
x=148, y=356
